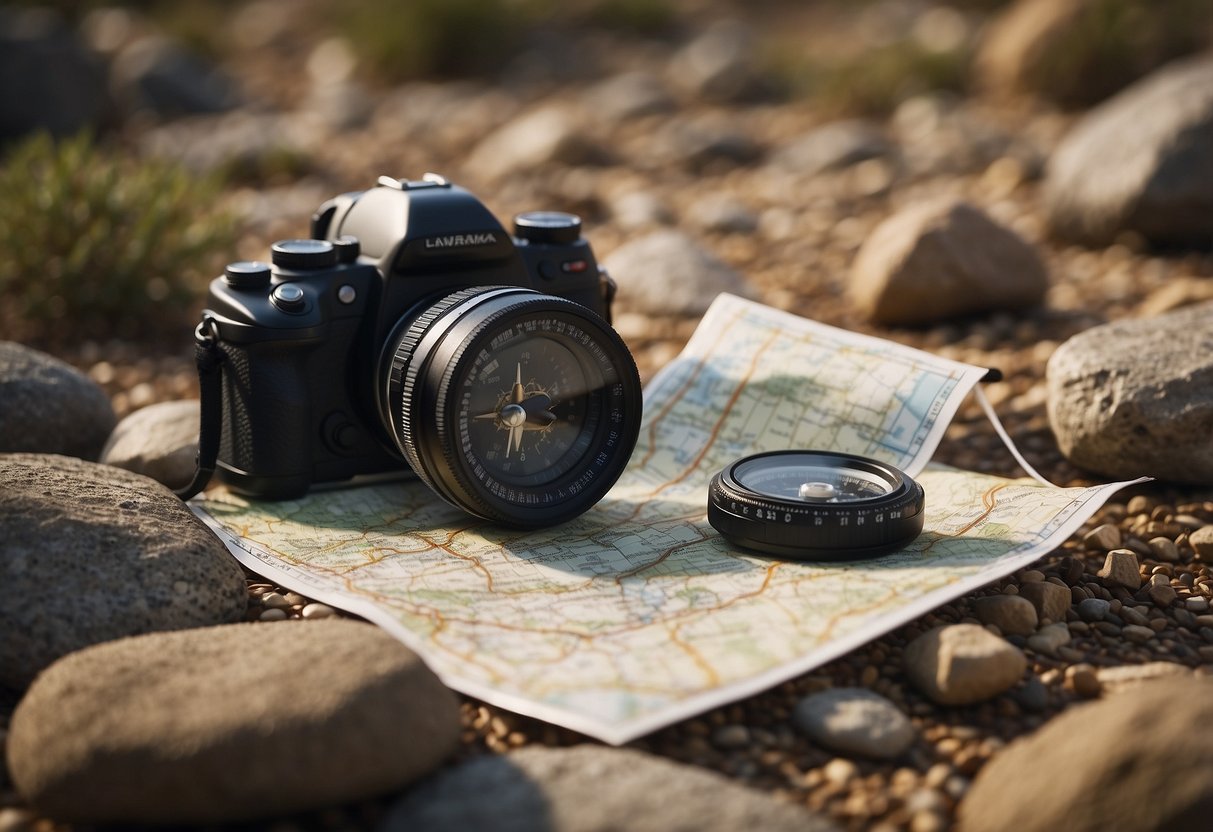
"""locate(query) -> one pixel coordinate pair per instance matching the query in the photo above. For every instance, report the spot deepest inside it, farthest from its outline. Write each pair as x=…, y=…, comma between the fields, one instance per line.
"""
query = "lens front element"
x=515, y=406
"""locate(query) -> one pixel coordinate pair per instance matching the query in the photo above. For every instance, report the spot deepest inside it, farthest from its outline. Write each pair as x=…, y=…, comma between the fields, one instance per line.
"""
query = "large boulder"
x=229, y=723
x=1135, y=397
x=942, y=259
x=1141, y=162
x=92, y=553
x=591, y=789
x=1135, y=762
x=50, y=407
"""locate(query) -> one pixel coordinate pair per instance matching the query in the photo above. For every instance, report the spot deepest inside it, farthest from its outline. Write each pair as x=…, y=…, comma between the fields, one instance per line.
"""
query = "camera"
x=412, y=332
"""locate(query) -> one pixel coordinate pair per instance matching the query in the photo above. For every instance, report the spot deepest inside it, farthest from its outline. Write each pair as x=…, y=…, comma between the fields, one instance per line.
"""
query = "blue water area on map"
x=904, y=430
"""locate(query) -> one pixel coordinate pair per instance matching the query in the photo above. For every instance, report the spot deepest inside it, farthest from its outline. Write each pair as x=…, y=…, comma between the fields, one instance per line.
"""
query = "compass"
x=815, y=505
x=519, y=407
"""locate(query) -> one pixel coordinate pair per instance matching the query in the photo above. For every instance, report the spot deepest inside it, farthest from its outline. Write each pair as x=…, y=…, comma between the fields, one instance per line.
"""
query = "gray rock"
x=833, y=146
x=960, y=664
x=240, y=141
x=1093, y=609
x=855, y=721
x=717, y=65
x=638, y=209
x=1011, y=614
x=701, y=145
x=1135, y=397
x=159, y=441
x=63, y=101
x=48, y=406
x=1050, y=600
x=229, y=723
x=1142, y=162
x=590, y=789
x=91, y=553
x=1133, y=763
x=724, y=214
x=548, y=135
x=668, y=273
x=627, y=96
x=159, y=76
x=942, y=259
x=1050, y=638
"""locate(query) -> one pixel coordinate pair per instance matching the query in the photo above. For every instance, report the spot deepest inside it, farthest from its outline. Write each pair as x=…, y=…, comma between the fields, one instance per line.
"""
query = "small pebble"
x=318, y=610
x=1103, y=537
x=273, y=600
x=273, y=614
x=1132, y=616
x=1164, y=549
x=1162, y=595
x=1011, y=614
x=1050, y=638
x=731, y=736
x=1093, y=609
x=295, y=599
x=1137, y=633
x=840, y=771
x=1082, y=679
x=1120, y=569
x=1031, y=576
x=1196, y=603
x=1201, y=541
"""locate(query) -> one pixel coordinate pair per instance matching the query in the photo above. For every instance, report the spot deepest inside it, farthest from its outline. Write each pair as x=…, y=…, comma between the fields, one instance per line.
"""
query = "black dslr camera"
x=413, y=330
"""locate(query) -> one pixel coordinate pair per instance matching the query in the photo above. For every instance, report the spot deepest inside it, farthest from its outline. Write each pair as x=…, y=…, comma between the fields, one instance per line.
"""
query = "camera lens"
x=518, y=407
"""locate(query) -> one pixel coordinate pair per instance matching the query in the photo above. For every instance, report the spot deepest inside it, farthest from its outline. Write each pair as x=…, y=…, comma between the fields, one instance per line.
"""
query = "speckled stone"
x=227, y=723
x=90, y=553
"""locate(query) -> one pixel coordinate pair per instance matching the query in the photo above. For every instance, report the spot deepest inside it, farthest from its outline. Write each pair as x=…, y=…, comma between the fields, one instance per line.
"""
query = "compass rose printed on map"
x=638, y=614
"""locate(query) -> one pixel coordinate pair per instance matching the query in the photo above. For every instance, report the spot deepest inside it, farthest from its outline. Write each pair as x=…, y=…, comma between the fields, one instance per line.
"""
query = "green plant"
x=96, y=244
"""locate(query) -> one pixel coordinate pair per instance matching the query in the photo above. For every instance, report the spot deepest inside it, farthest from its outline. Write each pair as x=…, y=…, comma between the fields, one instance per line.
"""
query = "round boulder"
x=92, y=553
x=50, y=407
x=667, y=273
x=159, y=441
x=943, y=259
x=229, y=723
x=1134, y=762
x=1135, y=397
x=1141, y=162
x=589, y=788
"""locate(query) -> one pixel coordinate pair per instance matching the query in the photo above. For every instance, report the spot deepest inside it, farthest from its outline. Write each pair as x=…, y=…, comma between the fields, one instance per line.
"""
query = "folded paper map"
x=637, y=614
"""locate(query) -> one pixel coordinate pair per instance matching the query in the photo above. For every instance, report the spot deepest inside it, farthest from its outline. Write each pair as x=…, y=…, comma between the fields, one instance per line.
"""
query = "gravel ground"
x=808, y=229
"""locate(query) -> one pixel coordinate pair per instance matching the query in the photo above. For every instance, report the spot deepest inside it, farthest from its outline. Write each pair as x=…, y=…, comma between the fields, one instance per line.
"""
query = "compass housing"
x=815, y=505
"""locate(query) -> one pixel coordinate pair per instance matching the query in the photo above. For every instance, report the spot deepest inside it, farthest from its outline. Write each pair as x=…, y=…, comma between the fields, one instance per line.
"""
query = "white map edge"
x=624, y=732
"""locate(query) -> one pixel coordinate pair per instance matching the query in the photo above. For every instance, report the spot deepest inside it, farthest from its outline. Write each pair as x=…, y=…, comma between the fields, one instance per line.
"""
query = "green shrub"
x=94, y=244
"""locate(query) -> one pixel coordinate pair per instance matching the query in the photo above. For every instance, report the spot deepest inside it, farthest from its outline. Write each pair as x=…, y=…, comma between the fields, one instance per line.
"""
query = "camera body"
x=307, y=339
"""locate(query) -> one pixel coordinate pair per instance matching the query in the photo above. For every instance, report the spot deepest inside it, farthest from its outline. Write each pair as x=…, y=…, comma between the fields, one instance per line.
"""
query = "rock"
x=1105, y=536
x=62, y=102
x=627, y=96
x=960, y=664
x=717, y=65
x=47, y=406
x=1050, y=600
x=855, y=721
x=550, y=134
x=1202, y=541
x=733, y=735
x=833, y=146
x=157, y=76
x=1162, y=596
x=724, y=214
x=1136, y=763
x=1050, y=638
x=1093, y=609
x=943, y=259
x=1176, y=293
x=1164, y=549
x=1077, y=52
x=159, y=441
x=1083, y=680
x=638, y=209
x=91, y=553
x=1011, y=614
x=1135, y=397
x=668, y=273
x=701, y=145
x=243, y=142
x=590, y=788
x=188, y=727
x=1137, y=634
x=1120, y=568
x=1141, y=162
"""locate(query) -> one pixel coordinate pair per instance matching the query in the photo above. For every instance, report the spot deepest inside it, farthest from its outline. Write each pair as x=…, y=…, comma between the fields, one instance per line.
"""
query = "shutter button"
x=288, y=297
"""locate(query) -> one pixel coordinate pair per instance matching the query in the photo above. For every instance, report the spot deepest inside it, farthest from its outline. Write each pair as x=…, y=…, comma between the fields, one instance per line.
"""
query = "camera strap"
x=209, y=359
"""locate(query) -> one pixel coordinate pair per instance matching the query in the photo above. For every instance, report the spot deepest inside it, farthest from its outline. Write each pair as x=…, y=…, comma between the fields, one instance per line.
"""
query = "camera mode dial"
x=302, y=255
x=551, y=227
